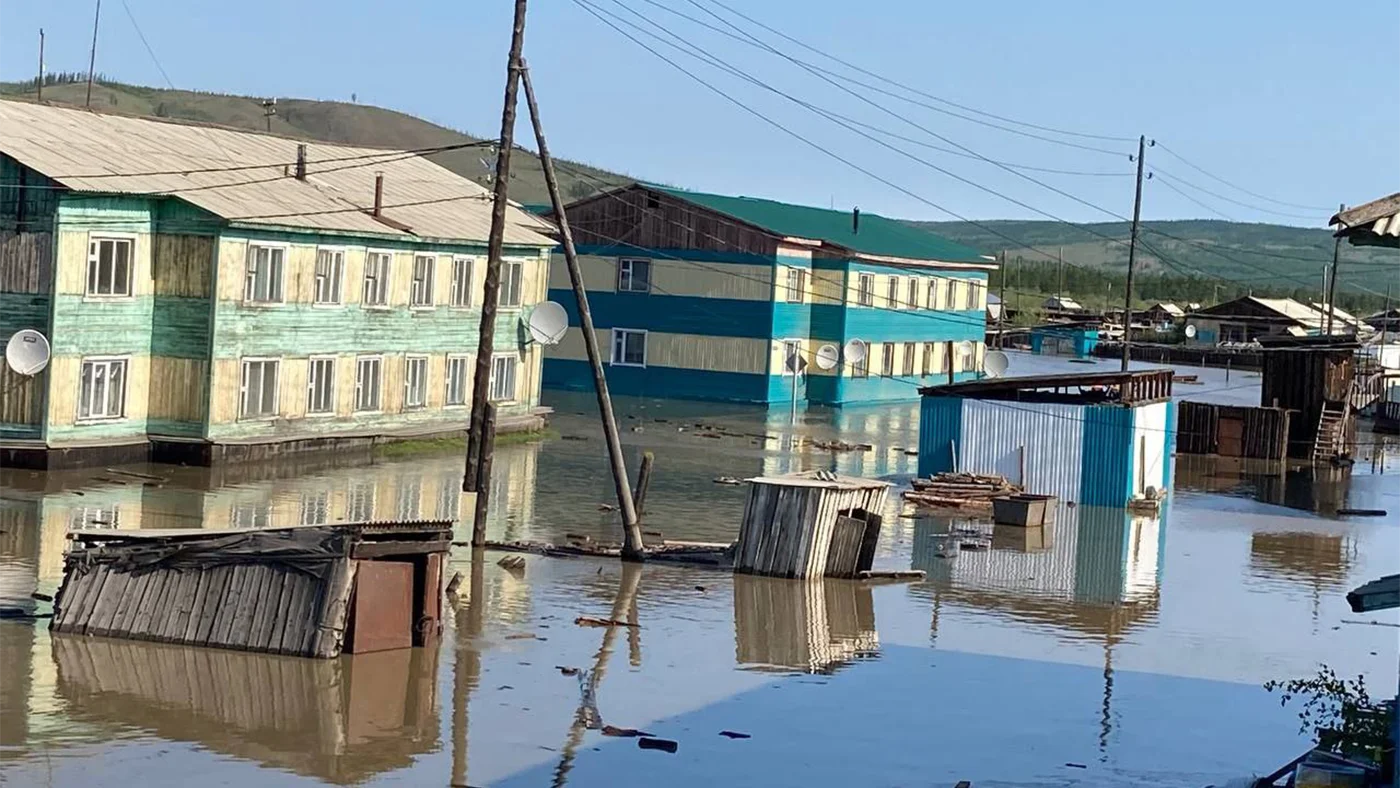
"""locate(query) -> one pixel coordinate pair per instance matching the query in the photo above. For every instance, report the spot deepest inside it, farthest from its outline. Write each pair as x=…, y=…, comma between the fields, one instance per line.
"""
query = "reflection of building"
x=1313, y=559
x=809, y=625
x=343, y=721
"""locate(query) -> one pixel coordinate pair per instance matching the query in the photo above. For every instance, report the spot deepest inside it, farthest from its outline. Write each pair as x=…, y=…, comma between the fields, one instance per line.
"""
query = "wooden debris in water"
x=809, y=525
x=594, y=621
x=712, y=554
x=960, y=490
x=513, y=563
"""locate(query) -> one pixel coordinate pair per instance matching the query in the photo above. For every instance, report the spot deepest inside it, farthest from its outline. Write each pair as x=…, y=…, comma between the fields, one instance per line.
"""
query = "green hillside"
x=331, y=121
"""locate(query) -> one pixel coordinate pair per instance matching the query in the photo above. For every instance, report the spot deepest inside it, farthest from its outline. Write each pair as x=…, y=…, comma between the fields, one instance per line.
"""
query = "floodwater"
x=1110, y=650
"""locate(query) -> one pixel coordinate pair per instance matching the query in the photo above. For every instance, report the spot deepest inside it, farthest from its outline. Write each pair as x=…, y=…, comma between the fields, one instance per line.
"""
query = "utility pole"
x=491, y=286
x=1060, y=282
x=39, y=85
x=1385, y=318
x=1132, y=258
x=269, y=109
x=1331, y=294
x=631, y=531
x=1001, y=307
x=92, y=56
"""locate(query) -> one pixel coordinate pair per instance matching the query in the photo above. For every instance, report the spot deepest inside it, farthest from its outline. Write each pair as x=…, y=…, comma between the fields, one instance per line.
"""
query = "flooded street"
x=1113, y=649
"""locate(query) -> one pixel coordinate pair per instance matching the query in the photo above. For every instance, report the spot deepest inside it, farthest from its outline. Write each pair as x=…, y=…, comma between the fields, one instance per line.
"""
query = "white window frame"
x=970, y=301
x=515, y=378
x=95, y=517
x=460, y=296
x=967, y=361
x=796, y=292
x=626, y=274
x=336, y=277
x=409, y=362
x=466, y=381
x=622, y=334
x=950, y=294
x=507, y=266
x=276, y=363
x=312, y=380
x=417, y=286
x=933, y=293
x=892, y=293
x=109, y=362
x=94, y=256
x=249, y=285
x=383, y=284
x=865, y=289
x=861, y=369
x=378, y=386
x=796, y=346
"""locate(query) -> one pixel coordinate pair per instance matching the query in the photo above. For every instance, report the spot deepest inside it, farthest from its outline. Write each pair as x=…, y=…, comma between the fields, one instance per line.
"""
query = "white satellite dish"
x=996, y=363
x=854, y=351
x=965, y=348
x=27, y=352
x=548, y=322
x=828, y=356
x=1190, y=332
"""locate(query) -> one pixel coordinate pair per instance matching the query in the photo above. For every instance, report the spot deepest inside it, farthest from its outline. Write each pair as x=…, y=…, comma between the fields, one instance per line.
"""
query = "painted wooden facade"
x=179, y=326
x=725, y=300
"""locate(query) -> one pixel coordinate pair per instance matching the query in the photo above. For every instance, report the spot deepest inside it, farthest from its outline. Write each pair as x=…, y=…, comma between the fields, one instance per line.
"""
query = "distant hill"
x=331, y=121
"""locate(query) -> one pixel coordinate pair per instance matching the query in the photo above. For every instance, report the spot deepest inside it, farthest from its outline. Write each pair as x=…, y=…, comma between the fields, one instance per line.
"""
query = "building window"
x=933, y=293
x=629, y=347
x=950, y=293
x=420, y=294
x=971, y=291
x=316, y=508
x=415, y=381
x=257, y=396
x=928, y=359
x=633, y=275
x=511, y=271
x=94, y=517
x=910, y=351
x=368, y=371
x=503, y=378
x=320, y=385
x=796, y=285
x=330, y=272
x=360, y=508
x=792, y=356
x=377, y=278
x=887, y=359
x=109, y=267
x=102, y=390
x=860, y=364
x=456, y=380
x=913, y=301
x=967, y=352
x=263, y=282
x=461, y=282
x=865, y=290
x=892, y=293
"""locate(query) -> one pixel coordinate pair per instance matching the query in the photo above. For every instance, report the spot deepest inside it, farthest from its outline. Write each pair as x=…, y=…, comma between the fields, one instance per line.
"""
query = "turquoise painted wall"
x=662, y=382
x=1108, y=455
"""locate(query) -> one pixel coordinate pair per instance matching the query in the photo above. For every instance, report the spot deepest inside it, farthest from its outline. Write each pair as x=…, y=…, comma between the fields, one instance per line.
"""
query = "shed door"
x=1231, y=442
x=381, y=616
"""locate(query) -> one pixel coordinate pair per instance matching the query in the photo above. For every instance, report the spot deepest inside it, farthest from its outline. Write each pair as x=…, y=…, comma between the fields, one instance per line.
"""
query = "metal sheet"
x=993, y=434
x=382, y=618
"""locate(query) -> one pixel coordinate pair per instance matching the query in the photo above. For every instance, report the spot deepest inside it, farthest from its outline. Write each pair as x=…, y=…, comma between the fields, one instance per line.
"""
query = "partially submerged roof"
x=1377, y=223
x=873, y=235
x=1134, y=386
x=246, y=177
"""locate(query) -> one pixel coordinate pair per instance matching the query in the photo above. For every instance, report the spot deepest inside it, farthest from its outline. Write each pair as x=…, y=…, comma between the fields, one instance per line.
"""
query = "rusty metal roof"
x=246, y=178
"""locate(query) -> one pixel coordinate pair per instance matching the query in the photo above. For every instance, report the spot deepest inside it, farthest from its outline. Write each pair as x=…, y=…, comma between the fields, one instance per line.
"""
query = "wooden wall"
x=647, y=219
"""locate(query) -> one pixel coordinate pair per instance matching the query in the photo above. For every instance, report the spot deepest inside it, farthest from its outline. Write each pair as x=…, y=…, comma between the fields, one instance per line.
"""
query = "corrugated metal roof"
x=1379, y=218
x=239, y=175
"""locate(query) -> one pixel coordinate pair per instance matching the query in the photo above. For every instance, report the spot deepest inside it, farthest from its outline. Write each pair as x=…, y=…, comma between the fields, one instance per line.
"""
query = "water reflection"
x=341, y=720
x=1319, y=489
x=814, y=626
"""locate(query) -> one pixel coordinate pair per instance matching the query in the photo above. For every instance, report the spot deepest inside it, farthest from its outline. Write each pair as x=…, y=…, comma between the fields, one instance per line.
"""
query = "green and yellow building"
x=216, y=294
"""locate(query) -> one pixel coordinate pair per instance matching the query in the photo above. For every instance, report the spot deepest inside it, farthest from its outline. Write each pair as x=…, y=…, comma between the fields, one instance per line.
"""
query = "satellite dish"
x=828, y=356
x=27, y=352
x=996, y=363
x=1190, y=332
x=854, y=351
x=965, y=348
x=548, y=322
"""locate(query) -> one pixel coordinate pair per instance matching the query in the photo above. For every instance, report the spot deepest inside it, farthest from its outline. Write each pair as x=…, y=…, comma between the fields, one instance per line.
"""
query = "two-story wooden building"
x=211, y=293
x=705, y=296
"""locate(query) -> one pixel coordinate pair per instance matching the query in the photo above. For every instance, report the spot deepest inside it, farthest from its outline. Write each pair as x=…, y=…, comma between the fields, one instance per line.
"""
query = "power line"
x=1255, y=195
x=1219, y=196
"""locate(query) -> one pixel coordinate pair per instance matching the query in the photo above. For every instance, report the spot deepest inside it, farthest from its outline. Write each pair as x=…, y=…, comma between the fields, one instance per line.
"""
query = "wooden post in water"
x=639, y=498
x=631, y=532
x=483, y=475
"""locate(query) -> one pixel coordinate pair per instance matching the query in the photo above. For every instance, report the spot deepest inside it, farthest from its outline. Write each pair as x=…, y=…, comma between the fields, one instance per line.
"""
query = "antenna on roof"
x=378, y=194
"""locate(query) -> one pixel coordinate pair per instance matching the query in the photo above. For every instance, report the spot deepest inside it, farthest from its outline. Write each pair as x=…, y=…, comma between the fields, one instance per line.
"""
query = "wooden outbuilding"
x=1312, y=376
x=311, y=591
x=810, y=524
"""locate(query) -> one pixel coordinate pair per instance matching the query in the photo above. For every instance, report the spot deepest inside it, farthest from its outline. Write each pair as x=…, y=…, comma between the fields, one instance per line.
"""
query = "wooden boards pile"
x=960, y=490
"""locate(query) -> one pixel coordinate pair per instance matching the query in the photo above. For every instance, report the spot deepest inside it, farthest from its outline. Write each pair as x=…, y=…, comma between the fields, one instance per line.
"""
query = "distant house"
x=707, y=296
x=1249, y=318
x=1377, y=223
x=218, y=294
x=1077, y=340
x=1388, y=320
x=1062, y=308
x=1163, y=314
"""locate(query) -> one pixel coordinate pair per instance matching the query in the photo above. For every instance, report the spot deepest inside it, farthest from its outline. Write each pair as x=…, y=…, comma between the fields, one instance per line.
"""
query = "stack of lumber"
x=959, y=490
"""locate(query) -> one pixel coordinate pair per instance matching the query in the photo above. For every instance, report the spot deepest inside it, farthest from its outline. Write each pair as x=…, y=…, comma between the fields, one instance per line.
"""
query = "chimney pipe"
x=378, y=194
x=301, y=161
x=855, y=221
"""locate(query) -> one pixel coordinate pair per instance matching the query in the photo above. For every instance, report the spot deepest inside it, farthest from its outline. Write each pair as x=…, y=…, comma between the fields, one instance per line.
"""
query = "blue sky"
x=1281, y=98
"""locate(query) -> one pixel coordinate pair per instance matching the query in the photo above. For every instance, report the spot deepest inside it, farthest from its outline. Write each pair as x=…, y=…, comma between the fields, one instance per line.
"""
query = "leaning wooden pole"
x=483, y=476
x=491, y=286
x=631, y=531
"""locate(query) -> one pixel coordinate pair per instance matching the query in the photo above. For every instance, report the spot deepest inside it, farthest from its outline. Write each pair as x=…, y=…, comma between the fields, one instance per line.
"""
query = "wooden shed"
x=1232, y=430
x=1312, y=376
x=311, y=591
x=810, y=524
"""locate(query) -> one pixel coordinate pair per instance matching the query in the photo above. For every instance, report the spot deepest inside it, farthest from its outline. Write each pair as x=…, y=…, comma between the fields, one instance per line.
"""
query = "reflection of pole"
x=466, y=668
x=631, y=531
x=792, y=414
x=1106, y=721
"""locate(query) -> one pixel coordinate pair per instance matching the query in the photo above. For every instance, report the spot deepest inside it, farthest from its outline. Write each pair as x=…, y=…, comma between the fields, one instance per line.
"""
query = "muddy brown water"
x=1133, y=647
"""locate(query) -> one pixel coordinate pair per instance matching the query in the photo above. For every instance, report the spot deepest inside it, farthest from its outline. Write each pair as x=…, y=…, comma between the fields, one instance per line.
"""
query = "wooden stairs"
x=1330, y=442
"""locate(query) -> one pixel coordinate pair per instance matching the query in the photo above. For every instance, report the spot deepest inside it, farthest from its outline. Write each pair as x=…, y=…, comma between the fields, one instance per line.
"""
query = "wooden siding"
x=183, y=265
x=650, y=220
x=73, y=256
x=177, y=388
x=683, y=351
x=828, y=286
x=21, y=401
x=671, y=277
x=64, y=383
x=26, y=262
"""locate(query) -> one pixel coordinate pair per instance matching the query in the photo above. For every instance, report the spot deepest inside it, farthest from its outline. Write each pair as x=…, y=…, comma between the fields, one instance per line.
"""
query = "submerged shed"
x=310, y=591
x=810, y=524
x=1098, y=439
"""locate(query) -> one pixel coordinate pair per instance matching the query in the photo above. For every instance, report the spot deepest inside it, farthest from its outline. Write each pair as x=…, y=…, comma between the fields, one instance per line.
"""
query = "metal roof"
x=246, y=178
x=1377, y=223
